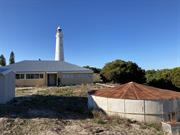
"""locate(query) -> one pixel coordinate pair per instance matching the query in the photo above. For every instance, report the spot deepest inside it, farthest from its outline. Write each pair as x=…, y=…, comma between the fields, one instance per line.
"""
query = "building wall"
x=7, y=87
x=178, y=114
x=76, y=78
x=65, y=79
x=2, y=82
x=31, y=82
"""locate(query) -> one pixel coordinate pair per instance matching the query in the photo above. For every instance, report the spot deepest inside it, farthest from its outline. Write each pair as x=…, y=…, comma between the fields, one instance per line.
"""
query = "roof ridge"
x=135, y=91
x=115, y=89
x=125, y=91
x=146, y=91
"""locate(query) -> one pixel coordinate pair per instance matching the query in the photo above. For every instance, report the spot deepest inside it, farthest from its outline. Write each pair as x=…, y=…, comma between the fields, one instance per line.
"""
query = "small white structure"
x=138, y=102
x=7, y=85
x=171, y=128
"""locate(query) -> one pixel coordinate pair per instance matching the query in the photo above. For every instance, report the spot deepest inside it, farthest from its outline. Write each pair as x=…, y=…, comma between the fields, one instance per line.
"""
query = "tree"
x=12, y=58
x=175, y=76
x=163, y=83
x=2, y=60
x=119, y=71
x=94, y=69
x=152, y=75
x=96, y=75
x=165, y=78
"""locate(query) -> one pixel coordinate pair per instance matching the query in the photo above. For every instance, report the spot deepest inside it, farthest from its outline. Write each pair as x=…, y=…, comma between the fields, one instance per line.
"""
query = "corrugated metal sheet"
x=46, y=66
x=136, y=91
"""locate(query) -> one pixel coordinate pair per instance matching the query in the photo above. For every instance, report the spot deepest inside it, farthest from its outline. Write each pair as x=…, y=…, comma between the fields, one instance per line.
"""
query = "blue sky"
x=95, y=31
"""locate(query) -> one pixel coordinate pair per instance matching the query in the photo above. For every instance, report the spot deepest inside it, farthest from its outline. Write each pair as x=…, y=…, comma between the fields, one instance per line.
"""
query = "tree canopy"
x=175, y=76
x=94, y=69
x=165, y=78
x=2, y=60
x=12, y=58
x=120, y=71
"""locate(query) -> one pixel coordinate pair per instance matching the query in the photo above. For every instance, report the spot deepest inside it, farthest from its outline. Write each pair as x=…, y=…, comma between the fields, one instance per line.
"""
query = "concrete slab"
x=171, y=128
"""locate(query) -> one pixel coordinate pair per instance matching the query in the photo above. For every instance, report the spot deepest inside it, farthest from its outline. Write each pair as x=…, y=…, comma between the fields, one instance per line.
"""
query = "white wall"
x=76, y=78
x=10, y=86
x=116, y=105
x=178, y=114
x=2, y=88
x=7, y=87
x=153, y=107
x=100, y=102
x=141, y=110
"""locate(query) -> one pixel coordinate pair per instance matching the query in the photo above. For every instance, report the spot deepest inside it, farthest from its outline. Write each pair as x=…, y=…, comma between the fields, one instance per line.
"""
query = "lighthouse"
x=59, y=52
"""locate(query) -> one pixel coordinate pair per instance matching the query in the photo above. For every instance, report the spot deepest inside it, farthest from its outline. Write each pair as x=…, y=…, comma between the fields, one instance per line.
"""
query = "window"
x=29, y=76
x=20, y=76
x=34, y=76
x=41, y=76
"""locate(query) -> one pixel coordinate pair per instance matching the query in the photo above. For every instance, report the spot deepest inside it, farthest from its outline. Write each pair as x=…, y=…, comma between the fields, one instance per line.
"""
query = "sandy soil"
x=63, y=111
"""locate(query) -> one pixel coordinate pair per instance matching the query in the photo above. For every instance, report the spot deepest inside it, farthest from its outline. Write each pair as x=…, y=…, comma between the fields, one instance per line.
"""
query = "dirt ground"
x=63, y=111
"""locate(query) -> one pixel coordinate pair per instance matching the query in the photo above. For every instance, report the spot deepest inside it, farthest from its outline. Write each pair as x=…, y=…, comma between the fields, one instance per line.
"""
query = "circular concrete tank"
x=138, y=102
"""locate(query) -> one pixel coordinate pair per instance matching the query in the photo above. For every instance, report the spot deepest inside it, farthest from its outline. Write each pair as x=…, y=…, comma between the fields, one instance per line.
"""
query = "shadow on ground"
x=39, y=106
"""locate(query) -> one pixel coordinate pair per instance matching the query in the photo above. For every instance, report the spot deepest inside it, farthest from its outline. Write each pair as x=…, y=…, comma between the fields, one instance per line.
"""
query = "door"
x=52, y=79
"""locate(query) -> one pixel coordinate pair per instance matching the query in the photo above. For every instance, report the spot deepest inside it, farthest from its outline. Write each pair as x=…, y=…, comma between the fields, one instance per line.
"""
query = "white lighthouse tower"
x=59, y=53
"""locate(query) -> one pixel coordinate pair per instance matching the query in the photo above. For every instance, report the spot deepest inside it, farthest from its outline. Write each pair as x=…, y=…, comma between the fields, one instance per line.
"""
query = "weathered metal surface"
x=153, y=118
x=134, y=106
x=136, y=91
x=153, y=107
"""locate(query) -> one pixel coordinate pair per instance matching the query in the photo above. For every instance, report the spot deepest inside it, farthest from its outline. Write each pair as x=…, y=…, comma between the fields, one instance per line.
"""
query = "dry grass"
x=63, y=111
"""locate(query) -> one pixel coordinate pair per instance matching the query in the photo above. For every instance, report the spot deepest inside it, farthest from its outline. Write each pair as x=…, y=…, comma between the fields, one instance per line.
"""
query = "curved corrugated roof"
x=136, y=91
